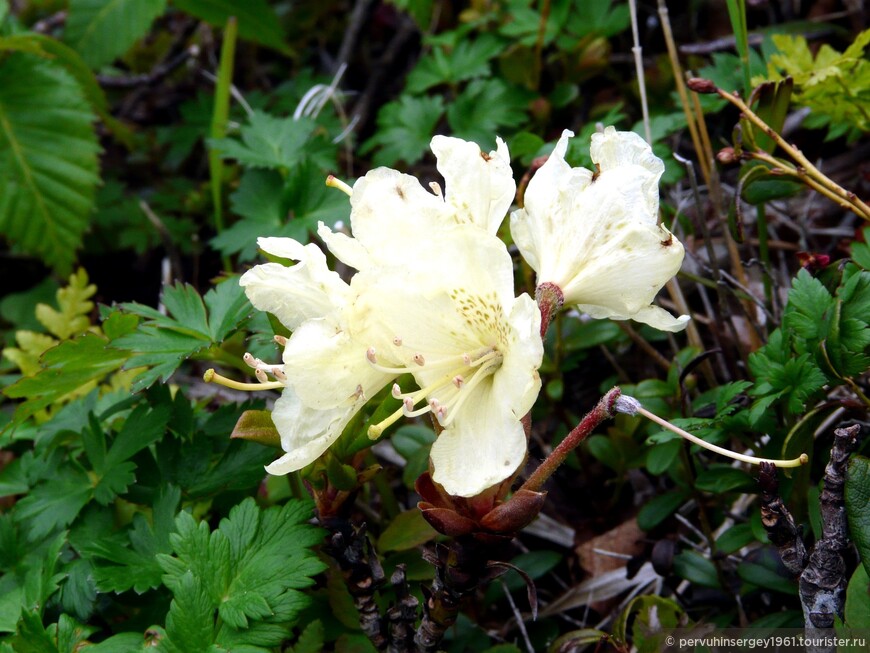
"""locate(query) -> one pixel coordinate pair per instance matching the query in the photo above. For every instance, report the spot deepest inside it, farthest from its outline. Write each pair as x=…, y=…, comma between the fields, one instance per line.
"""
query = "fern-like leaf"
x=48, y=155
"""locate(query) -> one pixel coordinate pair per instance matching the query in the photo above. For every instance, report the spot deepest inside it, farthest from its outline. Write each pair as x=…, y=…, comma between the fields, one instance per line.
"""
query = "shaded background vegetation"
x=145, y=144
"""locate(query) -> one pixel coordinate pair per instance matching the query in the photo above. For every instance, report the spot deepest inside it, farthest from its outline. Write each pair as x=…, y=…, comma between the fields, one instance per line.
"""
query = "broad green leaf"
x=103, y=30
x=190, y=626
x=660, y=508
x=763, y=576
x=257, y=20
x=696, y=568
x=310, y=639
x=64, y=55
x=857, y=493
x=646, y=617
x=735, y=538
x=31, y=636
x=49, y=150
x=857, y=609
x=723, y=478
x=407, y=531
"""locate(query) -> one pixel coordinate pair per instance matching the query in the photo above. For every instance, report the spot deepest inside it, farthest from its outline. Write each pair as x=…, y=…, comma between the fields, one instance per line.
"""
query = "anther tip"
x=804, y=458
x=375, y=432
x=208, y=377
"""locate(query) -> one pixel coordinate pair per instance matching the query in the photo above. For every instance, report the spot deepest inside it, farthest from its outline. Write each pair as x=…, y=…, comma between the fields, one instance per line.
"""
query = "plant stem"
x=602, y=411
x=219, y=118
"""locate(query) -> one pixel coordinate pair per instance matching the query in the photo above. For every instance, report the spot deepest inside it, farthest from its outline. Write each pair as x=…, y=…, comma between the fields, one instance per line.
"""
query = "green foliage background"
x=138, y=167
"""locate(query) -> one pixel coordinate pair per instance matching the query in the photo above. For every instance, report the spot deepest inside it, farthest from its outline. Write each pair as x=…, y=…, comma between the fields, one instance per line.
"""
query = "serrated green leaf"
x=269, y=142
x=310, y=639
x=68, y=367
x=467, y=59
x=54, y=503
x=64, y=55
x=103, y=30
x=136, y=567
x=163, y=342
x=405, y=128
x=49, y=149
x=31, y=636
x=190, y=626
x=487, y=107
x=249, y=569
x=257, y=20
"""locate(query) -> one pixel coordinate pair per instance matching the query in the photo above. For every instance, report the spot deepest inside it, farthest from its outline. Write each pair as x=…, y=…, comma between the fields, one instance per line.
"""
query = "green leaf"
x=660, y=508
x=467, y=60
x=310, y=639
x=407, y=531
x=857, y=609
x=857, y=493
x=723, y=478
x=163, y=342
x=31, y=636
x=485, y=108
x=405, y=128
x=763, y=576
x=54, y=504
x=735, y=538
x=66, y=368
x=103, y=30
x=250, y=570
x=276, y=143
x=661, y=456
x=696, y=569
x=190, y=626
x=65, y=56
x=49, y=150
x=257, y=20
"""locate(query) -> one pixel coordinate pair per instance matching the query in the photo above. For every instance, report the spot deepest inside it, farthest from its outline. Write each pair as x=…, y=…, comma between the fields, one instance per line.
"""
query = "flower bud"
x=701, y=85
x=726, y=155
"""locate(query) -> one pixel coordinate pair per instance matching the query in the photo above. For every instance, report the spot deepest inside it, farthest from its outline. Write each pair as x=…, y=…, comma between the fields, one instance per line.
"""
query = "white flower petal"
x=294, y=294
x=346, y=249
x=328, y=367
x=482, y=447
x=655, y=316
x=390, y=209
x=306, y=433
x=597, y=238
x=480, y=187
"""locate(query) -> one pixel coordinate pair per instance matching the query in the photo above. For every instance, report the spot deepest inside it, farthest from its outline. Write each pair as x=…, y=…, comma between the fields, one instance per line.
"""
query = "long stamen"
x=632, y=406
x=211, y=376
x=339, y=184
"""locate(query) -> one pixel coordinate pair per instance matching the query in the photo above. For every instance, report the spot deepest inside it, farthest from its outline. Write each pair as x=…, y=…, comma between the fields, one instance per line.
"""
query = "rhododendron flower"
x=595, y=235
x=479, y=190
x=324, y=376
x=433, y=298
x=453, y=322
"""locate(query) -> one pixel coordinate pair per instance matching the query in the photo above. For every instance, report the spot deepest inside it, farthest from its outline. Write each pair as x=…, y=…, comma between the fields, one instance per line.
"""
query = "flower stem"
x=602, y=411
x=845, y=198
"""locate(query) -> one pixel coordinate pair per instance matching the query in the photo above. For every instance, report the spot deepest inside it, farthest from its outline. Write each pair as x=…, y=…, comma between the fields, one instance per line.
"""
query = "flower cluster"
x=432, y=298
